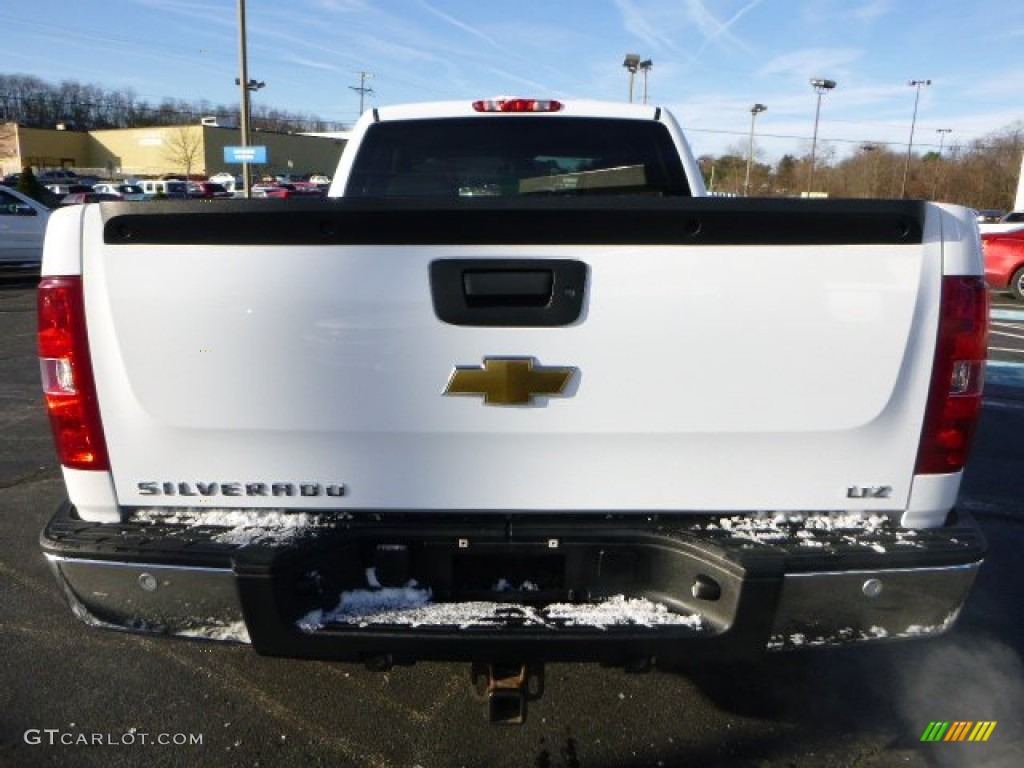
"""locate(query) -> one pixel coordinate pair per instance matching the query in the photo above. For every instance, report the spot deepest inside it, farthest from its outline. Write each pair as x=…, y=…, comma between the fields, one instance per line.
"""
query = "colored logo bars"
x=959, y=730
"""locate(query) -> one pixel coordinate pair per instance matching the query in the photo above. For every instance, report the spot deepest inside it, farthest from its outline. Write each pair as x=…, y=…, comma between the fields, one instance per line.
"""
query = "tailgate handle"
x=508, y=287
x=508, y=292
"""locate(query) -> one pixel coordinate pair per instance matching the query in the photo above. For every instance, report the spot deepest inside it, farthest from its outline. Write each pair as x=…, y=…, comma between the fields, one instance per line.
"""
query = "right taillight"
x=67, y=375
x=958, y=376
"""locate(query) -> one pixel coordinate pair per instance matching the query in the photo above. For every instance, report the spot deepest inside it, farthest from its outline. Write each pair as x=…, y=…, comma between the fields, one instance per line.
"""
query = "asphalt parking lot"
x=1006, y=340
x=72, y=695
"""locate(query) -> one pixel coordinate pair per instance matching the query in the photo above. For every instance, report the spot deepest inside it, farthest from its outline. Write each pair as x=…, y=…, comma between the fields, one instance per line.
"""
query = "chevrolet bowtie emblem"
x=508, y=380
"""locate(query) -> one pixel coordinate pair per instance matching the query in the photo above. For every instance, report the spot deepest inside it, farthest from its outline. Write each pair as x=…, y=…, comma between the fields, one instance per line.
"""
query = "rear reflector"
x=66, y=372
x=517, y=105
x=958, y=376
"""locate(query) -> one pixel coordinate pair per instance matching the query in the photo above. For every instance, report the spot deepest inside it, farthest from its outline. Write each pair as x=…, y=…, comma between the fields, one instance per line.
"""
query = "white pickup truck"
x=518, y=392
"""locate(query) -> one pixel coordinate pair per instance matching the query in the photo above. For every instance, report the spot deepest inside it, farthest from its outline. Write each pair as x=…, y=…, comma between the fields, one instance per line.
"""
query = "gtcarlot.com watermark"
x=133, y=737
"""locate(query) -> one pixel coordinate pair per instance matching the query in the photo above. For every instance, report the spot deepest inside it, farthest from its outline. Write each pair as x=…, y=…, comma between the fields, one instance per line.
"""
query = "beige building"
x=196, y=149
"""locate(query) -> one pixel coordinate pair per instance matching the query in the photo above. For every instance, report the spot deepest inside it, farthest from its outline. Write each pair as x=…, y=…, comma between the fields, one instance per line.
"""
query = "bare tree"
x=183, y=146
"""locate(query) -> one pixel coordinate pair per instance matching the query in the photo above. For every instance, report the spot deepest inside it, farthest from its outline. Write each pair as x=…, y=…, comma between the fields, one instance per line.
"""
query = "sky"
x=711, y=59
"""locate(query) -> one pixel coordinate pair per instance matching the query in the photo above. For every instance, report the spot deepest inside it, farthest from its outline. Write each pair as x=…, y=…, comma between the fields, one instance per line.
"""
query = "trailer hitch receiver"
x=506, y=688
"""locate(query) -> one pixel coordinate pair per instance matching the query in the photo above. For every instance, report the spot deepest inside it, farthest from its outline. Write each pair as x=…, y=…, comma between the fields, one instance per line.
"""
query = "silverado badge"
x=508, y=380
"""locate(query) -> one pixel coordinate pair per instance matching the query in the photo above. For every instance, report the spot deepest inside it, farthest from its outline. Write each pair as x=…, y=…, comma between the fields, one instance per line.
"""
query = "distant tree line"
x=980, y=174
x=35, y=103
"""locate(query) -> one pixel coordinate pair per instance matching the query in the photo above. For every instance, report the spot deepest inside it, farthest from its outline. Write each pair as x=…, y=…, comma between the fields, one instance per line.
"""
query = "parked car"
x=67, y=189
x=79, y=198
x=129, y=192
x=988, y=215
x=207, y=190
x=269, y=190
x=279, y=190
x=1013, y=217
x=175, y=189
x=57, y=177
x=22, y=225
x=232, y=184
x=1004, y=261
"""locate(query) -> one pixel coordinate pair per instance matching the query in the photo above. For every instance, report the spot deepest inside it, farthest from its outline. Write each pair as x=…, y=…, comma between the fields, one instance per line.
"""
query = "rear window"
x=516, y=156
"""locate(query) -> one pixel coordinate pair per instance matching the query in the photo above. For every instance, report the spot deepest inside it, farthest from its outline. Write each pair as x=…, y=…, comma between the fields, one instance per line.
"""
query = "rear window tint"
x=516, y=156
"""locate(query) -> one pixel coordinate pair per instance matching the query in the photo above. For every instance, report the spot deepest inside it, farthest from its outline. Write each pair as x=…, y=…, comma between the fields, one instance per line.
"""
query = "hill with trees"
x=35, y=103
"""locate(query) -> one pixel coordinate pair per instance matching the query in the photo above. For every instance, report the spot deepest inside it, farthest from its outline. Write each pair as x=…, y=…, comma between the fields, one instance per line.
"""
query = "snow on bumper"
x=537, y=589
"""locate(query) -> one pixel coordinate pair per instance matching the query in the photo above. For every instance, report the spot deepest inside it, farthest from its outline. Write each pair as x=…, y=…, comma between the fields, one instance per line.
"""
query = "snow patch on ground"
x=243, y=526
x=411, y=606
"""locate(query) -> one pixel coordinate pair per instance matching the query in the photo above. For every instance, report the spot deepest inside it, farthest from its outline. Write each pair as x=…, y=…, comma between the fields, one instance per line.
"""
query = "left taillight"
x=68, y=386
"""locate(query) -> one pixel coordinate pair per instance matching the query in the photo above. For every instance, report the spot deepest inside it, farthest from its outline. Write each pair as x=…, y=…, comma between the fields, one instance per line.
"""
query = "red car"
x=1004, y=261
x=207, y=190
x=288, y=190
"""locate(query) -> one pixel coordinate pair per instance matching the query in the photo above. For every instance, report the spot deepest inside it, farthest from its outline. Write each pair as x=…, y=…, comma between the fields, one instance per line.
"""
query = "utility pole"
x=362, y=89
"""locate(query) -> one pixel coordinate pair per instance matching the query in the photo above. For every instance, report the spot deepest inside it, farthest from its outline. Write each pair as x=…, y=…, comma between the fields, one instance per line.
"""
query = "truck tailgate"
x=729, y=355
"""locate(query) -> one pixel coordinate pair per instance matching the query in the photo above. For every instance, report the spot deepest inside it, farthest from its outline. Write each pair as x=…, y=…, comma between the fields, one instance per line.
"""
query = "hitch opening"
x=507, y=688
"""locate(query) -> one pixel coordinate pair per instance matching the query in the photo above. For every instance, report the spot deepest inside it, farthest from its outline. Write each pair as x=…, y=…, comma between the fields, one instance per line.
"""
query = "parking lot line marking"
x=20, y=629
x=239, y=685
x=402, y=708
x=451, y=689
x=1007, y=314
x=993, y=331
x=48, y=589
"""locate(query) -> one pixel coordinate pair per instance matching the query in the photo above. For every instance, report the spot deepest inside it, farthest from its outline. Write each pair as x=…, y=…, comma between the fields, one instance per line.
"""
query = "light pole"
x=244, y=121
x=938, y=164
x=913, y=121
x=645, y=67
x=632, y=64
x=821, y=86
x=709, y=162
x=754, y=112
x=244, y=85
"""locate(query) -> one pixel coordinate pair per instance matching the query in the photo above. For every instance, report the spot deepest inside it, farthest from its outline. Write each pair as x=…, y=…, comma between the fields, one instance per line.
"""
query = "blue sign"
x=245, y=155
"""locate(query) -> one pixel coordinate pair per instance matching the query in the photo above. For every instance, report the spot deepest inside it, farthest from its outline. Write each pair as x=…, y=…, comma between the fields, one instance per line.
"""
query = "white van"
x=171, y=188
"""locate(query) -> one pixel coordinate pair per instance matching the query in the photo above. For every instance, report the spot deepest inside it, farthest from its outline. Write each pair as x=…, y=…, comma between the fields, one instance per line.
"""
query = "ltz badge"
x=509, y=380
